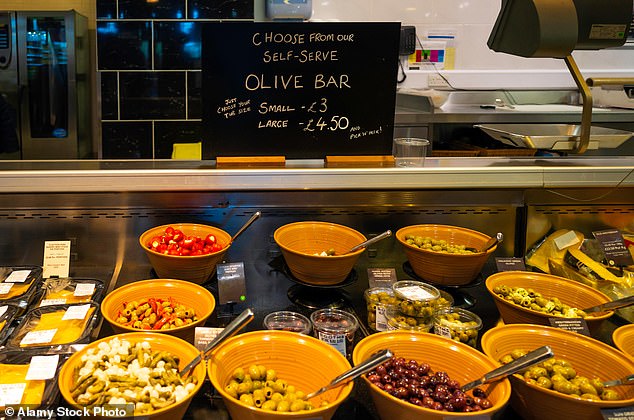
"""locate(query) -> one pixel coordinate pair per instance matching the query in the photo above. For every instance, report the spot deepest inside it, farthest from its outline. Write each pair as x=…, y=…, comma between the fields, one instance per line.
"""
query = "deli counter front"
x=100, y=209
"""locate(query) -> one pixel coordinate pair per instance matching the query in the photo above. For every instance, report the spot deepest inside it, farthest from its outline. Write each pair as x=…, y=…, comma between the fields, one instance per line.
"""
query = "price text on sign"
x=303, y=90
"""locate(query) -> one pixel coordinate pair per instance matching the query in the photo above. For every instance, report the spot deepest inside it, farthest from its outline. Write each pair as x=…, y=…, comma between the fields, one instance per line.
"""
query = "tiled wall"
x=149, y=62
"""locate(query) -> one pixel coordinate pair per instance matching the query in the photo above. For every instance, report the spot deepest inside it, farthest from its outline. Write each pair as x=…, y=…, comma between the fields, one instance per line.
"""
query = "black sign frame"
x=303, y=90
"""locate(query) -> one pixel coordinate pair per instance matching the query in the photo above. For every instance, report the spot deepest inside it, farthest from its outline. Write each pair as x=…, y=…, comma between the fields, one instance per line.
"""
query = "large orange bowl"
x=444, y=268
x=303, y=361
x=570, y=292
x=462, y=362
x=158, y=342
x=623, y=338
x=186, y=293
x=196, y=268
x=302, y=242
x=589, y=357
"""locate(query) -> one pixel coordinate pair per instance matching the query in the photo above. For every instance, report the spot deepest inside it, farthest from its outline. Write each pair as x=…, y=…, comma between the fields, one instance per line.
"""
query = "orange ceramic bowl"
x=462, y=362
x=303, y=361
x=589, y=357
x=197, y=268
x=623, y=338
x=158, y=342
x=444, y=268
x=189, y=294
x=300, y=241
x=570, y=292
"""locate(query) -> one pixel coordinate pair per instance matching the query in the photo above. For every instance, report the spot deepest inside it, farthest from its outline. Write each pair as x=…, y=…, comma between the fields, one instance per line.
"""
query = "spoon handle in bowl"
x=370, y=241
x=363, y=367
x=529, y=359
x=253, y=218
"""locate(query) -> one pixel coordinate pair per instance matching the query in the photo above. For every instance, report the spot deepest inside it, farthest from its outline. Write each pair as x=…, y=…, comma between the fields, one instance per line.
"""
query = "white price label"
x=5, y=288
x=442, y=331
x=338, y=341
x=38, y=337
x=381, y=318
x=3, y=310
x=415, y=293
x=566, y=240
x=11, y=394
x=76, y=312
x=49, y=302
x=18, y=276
x=42, y=368
x=84, y=289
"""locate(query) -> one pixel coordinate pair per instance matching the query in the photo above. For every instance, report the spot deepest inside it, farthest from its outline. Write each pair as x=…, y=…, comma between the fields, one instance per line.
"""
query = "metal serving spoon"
x=529, y=359
x=493, y=241
x=234, y=326
x=252, y=219
x=609, y=306
x=363, y=367
x=370, y=241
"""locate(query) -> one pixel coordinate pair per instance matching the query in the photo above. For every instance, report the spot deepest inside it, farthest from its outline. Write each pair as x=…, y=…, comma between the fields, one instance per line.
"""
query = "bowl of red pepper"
x=185, y=251
x=173, y=307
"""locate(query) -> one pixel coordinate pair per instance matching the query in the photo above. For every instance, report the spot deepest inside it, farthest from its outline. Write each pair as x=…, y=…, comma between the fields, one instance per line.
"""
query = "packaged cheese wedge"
x=554, y=247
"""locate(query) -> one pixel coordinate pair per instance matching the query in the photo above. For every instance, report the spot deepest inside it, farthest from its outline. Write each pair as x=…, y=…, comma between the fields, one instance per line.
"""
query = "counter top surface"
x=438, y=173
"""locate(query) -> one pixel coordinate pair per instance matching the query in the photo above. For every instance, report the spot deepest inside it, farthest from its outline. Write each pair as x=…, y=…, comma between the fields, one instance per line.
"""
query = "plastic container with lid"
x=19, y=283
x=396, y=320
x=335, y=327
x=458, y=324
x=377, y=300
x=69, y=290
x=40, y=390
x=55, y=325
x=287, y=321
x=417, y=299
x=8, y=313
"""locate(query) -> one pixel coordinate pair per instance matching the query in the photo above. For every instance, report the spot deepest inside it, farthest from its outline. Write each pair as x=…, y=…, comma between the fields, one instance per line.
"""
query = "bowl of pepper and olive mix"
x=441, y=255
x=264, y=375
x=173, y=307
x=570, y=385
x=524, y=297
x=132, y=374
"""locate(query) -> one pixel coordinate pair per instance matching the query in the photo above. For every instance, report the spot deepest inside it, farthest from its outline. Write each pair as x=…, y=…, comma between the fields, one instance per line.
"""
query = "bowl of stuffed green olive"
x=568, y=386
x=524, y=297
x=444, y=255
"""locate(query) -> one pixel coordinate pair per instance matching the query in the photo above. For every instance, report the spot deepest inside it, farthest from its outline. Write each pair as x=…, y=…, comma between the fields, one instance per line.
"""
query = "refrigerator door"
x=46, y=44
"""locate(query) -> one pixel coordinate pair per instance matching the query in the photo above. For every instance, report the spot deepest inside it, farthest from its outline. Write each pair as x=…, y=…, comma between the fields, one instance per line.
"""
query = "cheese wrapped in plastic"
x=554, y=247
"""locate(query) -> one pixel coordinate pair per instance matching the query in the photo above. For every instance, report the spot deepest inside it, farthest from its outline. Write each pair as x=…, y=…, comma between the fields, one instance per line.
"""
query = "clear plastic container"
x=8, y=313
x=287, y=321
x=458, y=324
x=335, y=327
x=417, y=299
x=396, y=320
x=55, y=325
x=19, y=283
x=68, y=290
x=377, y=300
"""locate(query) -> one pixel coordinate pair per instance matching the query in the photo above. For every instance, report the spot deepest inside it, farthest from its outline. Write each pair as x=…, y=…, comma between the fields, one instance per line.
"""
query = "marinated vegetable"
x=175, y=242
x=531, y=299
x=119, y=372
x=559, y=375
x=328, y=253
x=259, y=387
x=155, y=314
x=437, y=245
x=417, y=384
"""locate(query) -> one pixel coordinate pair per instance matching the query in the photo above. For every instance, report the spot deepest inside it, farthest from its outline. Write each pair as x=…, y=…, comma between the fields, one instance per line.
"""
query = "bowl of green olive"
x=524, y=297
x=570, y=385
x=444, y=255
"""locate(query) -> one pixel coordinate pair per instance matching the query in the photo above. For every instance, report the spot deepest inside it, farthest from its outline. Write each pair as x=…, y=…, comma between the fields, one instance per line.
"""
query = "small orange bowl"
x=570, y=292
x=302, y=242
x=461, y=362
x=158, y=342
x=589, y=357
x=196, y=268
x=623, y=338
x=300, y=360
x=186, y=293
x=443, y=268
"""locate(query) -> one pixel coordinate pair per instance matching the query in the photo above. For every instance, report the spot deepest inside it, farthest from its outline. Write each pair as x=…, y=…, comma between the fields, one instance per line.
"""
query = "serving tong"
x=609, y=306
x=626, y=380
x=493, y=241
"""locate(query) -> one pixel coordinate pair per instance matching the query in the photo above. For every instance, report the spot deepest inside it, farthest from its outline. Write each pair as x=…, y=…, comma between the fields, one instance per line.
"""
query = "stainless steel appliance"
x=43, y=85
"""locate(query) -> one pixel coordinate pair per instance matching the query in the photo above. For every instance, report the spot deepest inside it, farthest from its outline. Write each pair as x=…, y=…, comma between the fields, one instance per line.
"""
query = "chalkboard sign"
x=303, y=90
